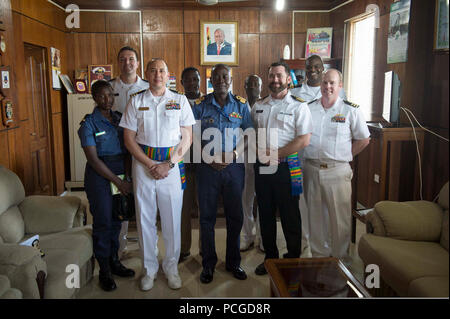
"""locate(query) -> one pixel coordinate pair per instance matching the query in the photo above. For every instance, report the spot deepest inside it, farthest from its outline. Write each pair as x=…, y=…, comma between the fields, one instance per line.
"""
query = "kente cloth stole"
x=296, y=173
x=162, y=154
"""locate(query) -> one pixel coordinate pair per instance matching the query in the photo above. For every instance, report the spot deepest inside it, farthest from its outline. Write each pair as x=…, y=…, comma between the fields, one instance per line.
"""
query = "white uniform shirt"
x=290, y=117
x=334, y=130
x=122, y=92
x=157, y=120
x=311, y=93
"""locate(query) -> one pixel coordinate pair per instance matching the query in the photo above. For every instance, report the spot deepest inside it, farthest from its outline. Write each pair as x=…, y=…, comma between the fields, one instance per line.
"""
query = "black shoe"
x=261, y=270
x=207, y=275
x=106, y=281
x=118, y=269
x=238, y=273
x=183, y=256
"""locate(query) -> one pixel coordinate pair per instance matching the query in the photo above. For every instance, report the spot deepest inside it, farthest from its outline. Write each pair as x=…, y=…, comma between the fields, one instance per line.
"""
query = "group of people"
x=303, y=140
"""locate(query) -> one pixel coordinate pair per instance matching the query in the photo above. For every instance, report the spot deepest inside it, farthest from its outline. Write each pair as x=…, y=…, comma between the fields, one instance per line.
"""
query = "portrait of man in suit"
x=220, y=46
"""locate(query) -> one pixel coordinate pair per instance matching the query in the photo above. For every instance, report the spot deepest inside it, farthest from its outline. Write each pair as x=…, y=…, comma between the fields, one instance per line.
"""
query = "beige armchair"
x=6, y=292
x=409, y=242
x=63, y=239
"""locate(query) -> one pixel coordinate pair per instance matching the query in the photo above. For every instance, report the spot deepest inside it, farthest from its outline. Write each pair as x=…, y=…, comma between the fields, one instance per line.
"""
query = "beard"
x=277, y=89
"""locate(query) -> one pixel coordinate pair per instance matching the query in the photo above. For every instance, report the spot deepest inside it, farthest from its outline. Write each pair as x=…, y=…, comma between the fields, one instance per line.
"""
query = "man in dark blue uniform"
x=219, y=173
x=102, y=142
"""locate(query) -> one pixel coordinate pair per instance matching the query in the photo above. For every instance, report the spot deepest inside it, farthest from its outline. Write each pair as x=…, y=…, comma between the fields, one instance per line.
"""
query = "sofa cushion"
x=444, y=231
x=429, y=287
x=78, y=240
x=443, y=197
x=402, y=261
x=11, y=189
x=12, y=228
x=418, y=220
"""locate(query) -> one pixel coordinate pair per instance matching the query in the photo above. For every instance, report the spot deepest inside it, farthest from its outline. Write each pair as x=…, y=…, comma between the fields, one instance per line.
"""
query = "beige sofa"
x=409, y=242
x=63, y=239
x=6, y=292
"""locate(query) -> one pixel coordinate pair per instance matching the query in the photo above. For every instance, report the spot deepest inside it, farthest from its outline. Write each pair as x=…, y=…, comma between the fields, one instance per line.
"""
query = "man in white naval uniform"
x=340, y=132
x=157, y=132
x=250, y=228
x=309, y=91
x=126, y=84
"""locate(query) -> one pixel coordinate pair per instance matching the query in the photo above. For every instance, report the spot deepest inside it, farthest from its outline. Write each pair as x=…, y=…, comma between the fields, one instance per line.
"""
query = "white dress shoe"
x=174, y=281
x=147, y=283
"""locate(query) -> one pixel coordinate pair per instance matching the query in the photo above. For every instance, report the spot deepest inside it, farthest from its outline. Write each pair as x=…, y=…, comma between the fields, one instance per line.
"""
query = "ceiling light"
x=279, y=5
x=126, y=4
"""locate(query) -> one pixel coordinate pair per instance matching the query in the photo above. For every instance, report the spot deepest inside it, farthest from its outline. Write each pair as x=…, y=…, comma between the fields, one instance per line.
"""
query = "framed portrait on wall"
x=99, y=72
x=56, y=67
x=441, y=26
x=219, y=42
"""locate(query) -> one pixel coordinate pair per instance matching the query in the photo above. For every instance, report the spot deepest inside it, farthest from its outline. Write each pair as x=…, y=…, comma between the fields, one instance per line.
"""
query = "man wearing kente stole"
x=284, y=121
x=158, y=131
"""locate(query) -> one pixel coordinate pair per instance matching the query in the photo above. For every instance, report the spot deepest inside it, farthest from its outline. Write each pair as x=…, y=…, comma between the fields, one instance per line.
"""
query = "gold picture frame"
x=226, y=49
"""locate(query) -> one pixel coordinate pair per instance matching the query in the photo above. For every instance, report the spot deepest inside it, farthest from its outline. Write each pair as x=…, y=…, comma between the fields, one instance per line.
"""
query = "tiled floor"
x=223, y=285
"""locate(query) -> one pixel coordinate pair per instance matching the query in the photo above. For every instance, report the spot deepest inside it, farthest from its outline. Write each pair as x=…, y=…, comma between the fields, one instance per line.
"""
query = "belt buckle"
x=323, y=166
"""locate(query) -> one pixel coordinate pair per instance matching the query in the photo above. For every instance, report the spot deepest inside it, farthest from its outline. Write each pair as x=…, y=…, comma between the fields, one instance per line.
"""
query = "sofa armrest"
x=416, y=220
x=6, y=291
x=50, y=214
x=24, y=267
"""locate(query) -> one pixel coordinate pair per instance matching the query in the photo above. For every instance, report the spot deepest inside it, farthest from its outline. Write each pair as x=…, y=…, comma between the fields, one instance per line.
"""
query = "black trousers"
x=273, y=191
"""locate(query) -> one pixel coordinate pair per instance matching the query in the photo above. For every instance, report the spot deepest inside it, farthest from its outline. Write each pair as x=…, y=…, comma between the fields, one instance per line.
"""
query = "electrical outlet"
x=376, y=178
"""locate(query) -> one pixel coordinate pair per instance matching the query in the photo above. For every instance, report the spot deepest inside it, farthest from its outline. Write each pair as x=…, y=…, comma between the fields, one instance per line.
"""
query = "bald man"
x=340, y=132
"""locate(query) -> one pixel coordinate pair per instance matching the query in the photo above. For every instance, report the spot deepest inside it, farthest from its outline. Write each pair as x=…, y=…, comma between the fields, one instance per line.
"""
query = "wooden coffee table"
x=312, y=277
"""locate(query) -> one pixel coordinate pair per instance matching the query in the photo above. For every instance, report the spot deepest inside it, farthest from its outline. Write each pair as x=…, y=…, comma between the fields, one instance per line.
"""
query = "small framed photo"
x=99, y=72
x=441, y=26
x=219, y=42
x=80, y=86
x=67, y=83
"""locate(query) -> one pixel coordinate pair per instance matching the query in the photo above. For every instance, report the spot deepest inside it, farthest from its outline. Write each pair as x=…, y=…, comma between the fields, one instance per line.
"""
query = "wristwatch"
x=171, y=165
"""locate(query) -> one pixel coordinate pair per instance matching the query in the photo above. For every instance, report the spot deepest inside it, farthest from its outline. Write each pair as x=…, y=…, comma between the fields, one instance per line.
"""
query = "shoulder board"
x=351, y=104
x=85, y=118
x=199, y=100
x=240, y=99
x=176, y=92
x=134, y=94
x=298, y=99
x=264, y=97
x=312, y=101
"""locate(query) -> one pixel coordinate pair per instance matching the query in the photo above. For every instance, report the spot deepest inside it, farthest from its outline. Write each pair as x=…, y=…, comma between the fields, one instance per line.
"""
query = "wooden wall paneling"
x=317, y=20
x=192, y=19
x=165, y=21
x=59, y=153
x=41, y=10
x=271, y=48
x=300, y=45
x=116, y=41
x=168, y=46
x=70, y=54
x=4, y=147
x=248, y=62
x=92, y=22
x=248, y=19
x=300, y=23
x=192, y=57
x=90, y=48
x=127, y=22
x=275, y=22
x=57, y=41
x=436, y=112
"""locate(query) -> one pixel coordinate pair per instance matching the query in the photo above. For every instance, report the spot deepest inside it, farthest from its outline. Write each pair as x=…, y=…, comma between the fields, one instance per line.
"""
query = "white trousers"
x=328, y=197
x=123, y=237
x=250, y=227
x=167, y=195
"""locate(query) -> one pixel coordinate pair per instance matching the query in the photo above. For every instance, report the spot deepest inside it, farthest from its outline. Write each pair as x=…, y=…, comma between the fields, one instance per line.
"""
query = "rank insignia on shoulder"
x=351, y=104
x=134, y=94
x=177, y=92
x=84, y=118
x=235, y=115
x=312, y=101
x=298, y=99
x=240, y=99
x=200, y=100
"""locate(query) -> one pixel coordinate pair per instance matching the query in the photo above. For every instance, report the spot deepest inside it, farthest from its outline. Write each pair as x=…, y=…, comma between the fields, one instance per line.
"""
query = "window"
x=360, y=58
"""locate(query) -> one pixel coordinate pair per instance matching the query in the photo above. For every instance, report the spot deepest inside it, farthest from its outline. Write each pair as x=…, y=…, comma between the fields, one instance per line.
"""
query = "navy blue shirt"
x=234, y=114
x=106, y=136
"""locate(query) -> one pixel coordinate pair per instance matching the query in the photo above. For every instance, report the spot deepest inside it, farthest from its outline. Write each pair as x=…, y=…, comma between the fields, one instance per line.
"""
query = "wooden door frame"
x=48, y=85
